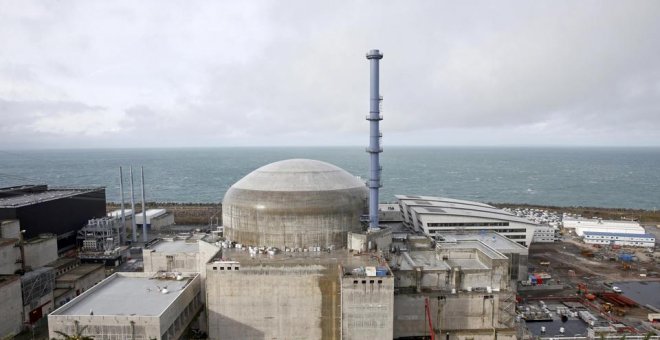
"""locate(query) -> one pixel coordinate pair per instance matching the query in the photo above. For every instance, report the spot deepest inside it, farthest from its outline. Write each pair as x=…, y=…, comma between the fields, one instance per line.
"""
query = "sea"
x=594, y=177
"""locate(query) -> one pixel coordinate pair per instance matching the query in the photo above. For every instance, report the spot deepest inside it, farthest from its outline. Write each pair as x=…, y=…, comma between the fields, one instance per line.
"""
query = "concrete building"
x=40, y=250
x=465, y=284
x=37, y=290
x=518, y=254
x=296, y=203
x=11, y=307
x=181, y=256
x=132, y=306
x=61, y=211
x=78, y=279
x=433, y=215
x=621, y=239
x=32, y=253
x=581, y=225
x=156, y=219
x=545, y=234
x=10, y=256
x=255, y=294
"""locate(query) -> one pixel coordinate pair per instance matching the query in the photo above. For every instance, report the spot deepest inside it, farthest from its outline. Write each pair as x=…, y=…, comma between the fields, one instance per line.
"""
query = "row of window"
x=471, y=224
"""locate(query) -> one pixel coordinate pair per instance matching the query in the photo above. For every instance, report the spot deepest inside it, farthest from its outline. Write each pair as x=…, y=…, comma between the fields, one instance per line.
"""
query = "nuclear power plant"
x=306, y=252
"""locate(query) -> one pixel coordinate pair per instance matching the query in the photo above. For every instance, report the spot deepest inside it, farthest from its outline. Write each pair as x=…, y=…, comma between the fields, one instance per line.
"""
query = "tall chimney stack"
x=374, y=148
x=130, y=170
x=145, y=238
x=123, y=215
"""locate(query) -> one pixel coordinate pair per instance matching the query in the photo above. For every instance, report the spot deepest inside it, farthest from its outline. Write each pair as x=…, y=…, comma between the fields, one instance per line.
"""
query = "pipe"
x=374, y=148
x=123, y=215
x=130, y=169
x=144, y=210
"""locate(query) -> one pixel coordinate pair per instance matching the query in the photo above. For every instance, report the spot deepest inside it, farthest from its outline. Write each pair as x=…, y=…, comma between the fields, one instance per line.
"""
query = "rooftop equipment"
x=375, y=135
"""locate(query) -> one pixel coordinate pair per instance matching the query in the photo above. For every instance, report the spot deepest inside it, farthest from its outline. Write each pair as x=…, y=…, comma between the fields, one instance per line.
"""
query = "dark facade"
x=66, y=212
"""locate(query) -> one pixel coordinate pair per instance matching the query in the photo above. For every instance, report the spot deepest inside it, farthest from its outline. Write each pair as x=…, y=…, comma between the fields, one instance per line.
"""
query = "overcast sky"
x=225, y=73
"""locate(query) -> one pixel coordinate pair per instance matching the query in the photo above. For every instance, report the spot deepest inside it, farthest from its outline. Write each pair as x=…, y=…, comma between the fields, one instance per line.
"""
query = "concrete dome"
x=294, y=203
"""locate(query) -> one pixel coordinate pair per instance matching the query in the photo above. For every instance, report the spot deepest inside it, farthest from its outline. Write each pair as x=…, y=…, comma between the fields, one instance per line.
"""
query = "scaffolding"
x=36, y=284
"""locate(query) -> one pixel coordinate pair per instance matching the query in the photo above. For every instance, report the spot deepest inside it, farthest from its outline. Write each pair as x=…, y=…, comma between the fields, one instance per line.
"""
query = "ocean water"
x=603, y=177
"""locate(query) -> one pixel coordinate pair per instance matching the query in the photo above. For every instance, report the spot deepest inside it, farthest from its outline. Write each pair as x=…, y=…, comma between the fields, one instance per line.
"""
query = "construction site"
x=584, y=290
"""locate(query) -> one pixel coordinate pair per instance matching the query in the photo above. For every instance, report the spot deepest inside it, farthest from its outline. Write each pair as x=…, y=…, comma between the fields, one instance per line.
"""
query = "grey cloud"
x=226, y=73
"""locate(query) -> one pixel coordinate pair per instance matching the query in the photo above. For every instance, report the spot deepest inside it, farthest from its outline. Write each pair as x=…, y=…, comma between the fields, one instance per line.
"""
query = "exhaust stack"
x=130, y=170
x=144, y=210
x=123, y=216
x=375, y=135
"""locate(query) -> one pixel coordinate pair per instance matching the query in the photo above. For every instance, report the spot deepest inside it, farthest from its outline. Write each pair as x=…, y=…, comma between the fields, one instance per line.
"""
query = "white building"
x=621, y=239
x=605, y=226
x=545, y=234
x=156, y=218
x=131, y=306
x=433, y=215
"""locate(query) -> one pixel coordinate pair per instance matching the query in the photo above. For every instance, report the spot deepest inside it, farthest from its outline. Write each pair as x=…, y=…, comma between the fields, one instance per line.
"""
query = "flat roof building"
x=621, y=239
x=131, y=305
x=582, y=225
x=464, y=283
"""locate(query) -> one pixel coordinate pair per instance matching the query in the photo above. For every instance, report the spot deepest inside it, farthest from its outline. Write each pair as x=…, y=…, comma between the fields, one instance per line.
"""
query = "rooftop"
x=429, y=205
x=348, y=260
x=175, y=246
x=492, y=239
x=491, y=214
x=19, y=199
x=79, y=272
x=420, y=200
x=121, y=294
x=62, y=262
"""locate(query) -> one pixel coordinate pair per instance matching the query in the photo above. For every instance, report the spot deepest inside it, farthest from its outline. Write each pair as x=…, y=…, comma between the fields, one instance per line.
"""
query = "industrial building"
x=132, y=306
x=101, y=241
x=621, y=239
x=156, y=219
x=433, y=215
x=37, y=290
x=11, y=307
x=298, y=295
x=582, y=225
x=43, y=210
x=296, y=203
x=305, y=256
x=545, y=234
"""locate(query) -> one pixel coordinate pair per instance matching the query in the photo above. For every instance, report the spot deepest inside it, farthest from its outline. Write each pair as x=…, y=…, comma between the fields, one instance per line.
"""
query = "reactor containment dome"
x=295, y=203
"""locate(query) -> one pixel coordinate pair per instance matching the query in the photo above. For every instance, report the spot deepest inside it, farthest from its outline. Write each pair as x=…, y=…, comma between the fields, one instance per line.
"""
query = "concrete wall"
x=467, y=313
x=377, y=240
x=162, y=221
x=10, y=229
x=11, y=307
x=367, y=305
x=155, y=261
x=9, y=253
x=40, y=251
x=268, y=301
x=84, y=282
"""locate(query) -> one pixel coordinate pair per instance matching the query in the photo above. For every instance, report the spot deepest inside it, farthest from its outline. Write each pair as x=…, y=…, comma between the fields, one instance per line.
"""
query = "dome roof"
x=298, y=175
